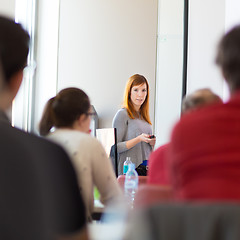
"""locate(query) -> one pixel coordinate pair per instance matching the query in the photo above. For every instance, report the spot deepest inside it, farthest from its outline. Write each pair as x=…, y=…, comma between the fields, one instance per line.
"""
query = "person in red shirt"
x=158, y=172
x=205, y=145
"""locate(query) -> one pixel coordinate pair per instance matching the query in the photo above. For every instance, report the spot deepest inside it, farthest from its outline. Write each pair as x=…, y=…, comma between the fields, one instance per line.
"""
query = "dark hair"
x=14, y=46
x=63, y=109
x=228, y=57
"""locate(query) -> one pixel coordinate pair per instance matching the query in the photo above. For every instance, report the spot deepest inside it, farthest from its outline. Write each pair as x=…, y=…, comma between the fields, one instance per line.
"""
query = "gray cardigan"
x=128, y=129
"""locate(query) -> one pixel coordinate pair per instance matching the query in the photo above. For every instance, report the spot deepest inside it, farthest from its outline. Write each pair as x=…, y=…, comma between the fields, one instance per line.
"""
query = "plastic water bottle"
x=125, y=165
x=131, y=184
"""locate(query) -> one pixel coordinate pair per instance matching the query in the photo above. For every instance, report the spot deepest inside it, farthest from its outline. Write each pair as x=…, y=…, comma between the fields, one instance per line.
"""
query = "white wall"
x=206, y=26
x=7, y=8
x=232, y=16
x=208, y=20
x=102, y=43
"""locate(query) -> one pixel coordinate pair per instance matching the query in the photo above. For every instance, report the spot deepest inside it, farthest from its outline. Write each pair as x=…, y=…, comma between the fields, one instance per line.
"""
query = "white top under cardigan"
x=91, y=165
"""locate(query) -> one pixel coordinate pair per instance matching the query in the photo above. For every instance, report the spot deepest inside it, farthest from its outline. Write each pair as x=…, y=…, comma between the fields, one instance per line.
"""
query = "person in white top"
x=70, y=113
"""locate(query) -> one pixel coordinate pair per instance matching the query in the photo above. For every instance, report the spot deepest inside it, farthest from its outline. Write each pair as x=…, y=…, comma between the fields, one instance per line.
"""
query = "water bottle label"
x=125, y=169
x=130, y=185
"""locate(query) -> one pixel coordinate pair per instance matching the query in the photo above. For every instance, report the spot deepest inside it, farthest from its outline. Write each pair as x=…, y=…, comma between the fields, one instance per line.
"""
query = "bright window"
x=22, y=105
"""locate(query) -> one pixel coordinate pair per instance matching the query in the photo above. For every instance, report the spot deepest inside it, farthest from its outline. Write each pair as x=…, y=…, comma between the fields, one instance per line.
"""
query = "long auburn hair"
x=136, y=80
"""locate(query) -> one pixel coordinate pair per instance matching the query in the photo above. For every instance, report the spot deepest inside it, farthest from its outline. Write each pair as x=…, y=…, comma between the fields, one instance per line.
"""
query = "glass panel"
x=169, y=77
x=22, y=110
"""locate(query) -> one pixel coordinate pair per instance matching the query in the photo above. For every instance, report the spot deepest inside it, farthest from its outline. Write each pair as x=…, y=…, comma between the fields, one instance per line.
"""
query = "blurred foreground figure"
x=38, y=187
x=205, y=146
x=185, y=222
x=158, y=172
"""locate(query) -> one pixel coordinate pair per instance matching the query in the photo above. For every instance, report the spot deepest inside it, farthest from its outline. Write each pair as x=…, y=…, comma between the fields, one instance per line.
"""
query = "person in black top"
x=39, y=196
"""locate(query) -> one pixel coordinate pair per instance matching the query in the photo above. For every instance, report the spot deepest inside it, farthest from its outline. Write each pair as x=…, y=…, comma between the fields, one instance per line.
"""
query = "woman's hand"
x=144, y=138
x=141, y=138
x=152, y=141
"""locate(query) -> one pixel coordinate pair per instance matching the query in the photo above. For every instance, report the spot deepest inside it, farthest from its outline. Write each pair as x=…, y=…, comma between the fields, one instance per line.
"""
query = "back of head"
x=228, y=58
x=63, y=109
x=14, y=46
x=198, y=99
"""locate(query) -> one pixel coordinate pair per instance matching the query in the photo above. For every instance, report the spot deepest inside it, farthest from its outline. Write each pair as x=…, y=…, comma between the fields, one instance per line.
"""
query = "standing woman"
x=133, y=124
x=70, y=113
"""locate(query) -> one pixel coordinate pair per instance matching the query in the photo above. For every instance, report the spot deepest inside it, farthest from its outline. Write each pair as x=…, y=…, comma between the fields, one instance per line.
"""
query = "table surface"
x=106, y=231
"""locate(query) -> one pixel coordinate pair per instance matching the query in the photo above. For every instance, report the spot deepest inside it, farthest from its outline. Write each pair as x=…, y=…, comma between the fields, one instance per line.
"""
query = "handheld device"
x=152, y=136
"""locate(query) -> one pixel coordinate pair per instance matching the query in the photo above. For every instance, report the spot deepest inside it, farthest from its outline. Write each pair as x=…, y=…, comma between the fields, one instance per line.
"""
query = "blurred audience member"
x=70, y=113
x=38, y=187
x=205, y=145
x=200, y=98
x=158, y=172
